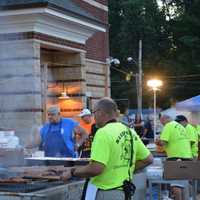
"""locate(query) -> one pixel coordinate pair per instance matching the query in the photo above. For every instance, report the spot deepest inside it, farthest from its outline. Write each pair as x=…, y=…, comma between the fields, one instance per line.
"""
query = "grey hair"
x=54, y=110
x=166, y=117
x=107, y=105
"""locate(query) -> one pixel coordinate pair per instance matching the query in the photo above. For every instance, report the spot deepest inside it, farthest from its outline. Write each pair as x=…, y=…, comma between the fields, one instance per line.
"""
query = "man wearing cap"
x=87, y=122
x=192, y=133
x=57, y=136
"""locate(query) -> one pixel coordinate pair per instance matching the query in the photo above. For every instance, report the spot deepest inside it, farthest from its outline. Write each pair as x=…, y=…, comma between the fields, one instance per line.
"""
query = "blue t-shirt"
x=57, y=135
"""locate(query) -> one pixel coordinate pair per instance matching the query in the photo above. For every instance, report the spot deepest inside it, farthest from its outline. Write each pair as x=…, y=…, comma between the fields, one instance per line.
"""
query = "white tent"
x=192, y=104
x=173, y=112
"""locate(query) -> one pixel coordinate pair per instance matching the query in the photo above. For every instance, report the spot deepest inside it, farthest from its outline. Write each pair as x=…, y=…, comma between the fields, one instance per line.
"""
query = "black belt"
x=177, y=158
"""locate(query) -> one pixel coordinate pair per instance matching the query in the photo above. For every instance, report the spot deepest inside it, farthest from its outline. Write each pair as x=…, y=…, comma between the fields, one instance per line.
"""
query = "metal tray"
x=28, y=187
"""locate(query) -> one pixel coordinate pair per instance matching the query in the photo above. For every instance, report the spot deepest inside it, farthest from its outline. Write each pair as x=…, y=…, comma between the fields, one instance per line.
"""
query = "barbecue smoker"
x=36, y=178
x=38, y=190
x=39, y=182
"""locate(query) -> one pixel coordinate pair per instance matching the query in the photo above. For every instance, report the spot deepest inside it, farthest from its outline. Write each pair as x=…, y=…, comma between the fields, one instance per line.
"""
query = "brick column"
x=20, y=87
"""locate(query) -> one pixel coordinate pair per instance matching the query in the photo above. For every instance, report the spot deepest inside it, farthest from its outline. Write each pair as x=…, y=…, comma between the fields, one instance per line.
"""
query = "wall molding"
x=48, y=21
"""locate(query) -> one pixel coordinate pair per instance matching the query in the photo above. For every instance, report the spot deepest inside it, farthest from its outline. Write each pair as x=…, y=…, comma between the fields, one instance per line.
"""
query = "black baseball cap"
x=180, y=118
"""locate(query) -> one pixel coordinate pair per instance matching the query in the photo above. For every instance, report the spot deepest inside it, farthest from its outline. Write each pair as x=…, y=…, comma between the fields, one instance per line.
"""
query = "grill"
x=31, y=186
x=37, y=182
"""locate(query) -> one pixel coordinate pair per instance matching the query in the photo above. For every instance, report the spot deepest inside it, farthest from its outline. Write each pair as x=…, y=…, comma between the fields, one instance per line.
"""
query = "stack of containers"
x=11, y=153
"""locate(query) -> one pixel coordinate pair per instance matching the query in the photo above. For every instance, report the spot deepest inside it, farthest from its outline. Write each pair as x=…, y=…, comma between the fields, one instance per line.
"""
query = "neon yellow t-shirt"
x=112, y=147
x=198, y=131
x=193, y=137
x=178, y=144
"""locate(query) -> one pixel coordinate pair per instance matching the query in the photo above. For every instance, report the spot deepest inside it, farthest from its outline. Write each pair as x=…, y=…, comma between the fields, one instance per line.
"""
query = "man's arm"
x=92, y=169
x=140, y=164
x=35, y=143
x=145, y=132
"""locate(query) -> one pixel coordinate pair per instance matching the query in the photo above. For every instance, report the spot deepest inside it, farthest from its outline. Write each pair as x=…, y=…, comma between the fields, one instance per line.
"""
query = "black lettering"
x=121, y=135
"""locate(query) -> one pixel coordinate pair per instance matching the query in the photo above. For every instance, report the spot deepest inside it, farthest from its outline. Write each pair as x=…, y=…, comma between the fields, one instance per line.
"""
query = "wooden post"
x=44, y=88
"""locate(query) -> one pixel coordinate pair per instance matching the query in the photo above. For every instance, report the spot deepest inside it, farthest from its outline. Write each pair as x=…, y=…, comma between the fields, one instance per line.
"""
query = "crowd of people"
x=144, y=128
x=178, y=138
x=115, y=150
x=114, y=145
x=65, y=137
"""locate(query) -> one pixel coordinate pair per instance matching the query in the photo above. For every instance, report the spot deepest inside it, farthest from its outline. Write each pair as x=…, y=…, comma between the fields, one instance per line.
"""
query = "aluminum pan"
x=58, y=159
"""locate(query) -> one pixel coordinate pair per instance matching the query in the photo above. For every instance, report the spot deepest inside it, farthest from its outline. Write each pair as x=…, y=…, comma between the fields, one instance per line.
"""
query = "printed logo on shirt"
x=62, y=131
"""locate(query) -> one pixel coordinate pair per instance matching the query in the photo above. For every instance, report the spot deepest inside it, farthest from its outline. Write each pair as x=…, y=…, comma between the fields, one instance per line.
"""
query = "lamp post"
x=138, y=77
x=155, y=85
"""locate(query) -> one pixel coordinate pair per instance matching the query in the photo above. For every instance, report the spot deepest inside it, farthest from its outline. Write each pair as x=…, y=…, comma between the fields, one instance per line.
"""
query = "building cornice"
x=97, y=4
x=47, y=21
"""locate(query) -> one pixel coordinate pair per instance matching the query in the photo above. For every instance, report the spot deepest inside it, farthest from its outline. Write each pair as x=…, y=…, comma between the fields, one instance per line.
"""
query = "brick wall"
x=96, y=79
x=20, y=90
x=97, y=46
x=66, y=72
x=97, y=12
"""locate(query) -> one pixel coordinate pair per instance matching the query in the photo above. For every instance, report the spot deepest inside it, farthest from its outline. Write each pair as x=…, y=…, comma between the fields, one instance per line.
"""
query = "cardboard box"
x=181, y=170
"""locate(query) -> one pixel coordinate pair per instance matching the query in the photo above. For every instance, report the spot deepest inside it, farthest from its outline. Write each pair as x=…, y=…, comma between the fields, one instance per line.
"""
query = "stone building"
x=48, y=47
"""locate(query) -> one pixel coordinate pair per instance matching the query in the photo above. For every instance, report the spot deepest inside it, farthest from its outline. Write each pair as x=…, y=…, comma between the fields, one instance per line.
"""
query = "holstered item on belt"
x=129, y=189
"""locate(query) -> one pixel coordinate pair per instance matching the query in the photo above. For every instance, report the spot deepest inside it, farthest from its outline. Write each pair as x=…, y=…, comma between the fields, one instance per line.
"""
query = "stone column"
x=20, y=87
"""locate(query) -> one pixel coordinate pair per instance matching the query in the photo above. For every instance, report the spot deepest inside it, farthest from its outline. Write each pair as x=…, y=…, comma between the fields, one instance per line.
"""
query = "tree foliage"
x=171, y=46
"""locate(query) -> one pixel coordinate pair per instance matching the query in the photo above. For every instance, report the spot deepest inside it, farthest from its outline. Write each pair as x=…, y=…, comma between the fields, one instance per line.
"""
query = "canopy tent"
x=192, y=104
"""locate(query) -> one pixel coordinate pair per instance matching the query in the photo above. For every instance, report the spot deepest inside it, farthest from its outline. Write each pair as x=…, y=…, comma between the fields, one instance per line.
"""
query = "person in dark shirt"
x=148, y=129
x=138, y=124
x=86, y=147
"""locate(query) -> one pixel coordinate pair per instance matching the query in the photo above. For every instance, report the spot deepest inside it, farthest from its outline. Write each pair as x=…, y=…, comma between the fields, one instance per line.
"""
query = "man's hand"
x=140, y=164
x=160, y=142
x=82, y=133
x=66, y=175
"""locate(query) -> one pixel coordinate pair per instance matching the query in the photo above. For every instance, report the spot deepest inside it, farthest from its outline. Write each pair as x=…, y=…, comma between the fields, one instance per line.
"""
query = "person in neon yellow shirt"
x=116, y=152
x=198, y=130
x=115, y=155
x=192, y=133
x=197, y=127
x=175, y=141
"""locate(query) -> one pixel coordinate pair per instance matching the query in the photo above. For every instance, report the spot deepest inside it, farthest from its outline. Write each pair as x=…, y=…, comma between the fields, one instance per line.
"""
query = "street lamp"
x=116, y=62
x=113, y=61
x=155, y=85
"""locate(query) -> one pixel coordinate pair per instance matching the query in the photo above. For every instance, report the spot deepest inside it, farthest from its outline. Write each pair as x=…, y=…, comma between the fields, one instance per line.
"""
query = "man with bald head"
x=116, y=152
x=174, y=139
x=176, y=143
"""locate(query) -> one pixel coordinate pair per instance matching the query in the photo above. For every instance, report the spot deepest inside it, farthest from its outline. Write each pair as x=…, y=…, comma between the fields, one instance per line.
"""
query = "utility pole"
x=139, y=89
